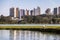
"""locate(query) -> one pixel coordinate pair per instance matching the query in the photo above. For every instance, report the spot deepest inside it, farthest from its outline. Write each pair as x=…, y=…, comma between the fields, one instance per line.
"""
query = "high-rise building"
x=38, y=10
x=59, y=11
x=34, y=12
x=27, y=12
x=31, y=12
x=12, y=12
x=48, y=11
x=55, y=11
x=17, y=12
x=22, y=12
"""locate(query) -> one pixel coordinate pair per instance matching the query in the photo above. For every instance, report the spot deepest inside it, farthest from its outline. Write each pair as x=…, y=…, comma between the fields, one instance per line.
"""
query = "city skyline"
x=18, y=13
x=5, y=5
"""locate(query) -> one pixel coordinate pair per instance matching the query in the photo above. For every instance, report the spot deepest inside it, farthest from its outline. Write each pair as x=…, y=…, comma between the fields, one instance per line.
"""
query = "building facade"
x=31, y=12
x=17, y=12
x=38, y=10
x=55, y=11
x=48, y=11
x=22, y=13
x=12, y=12
x=58, y=10
x=27, y=12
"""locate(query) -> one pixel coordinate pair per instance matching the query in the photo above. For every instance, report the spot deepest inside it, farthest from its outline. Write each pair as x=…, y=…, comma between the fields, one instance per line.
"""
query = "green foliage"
x=41, y=19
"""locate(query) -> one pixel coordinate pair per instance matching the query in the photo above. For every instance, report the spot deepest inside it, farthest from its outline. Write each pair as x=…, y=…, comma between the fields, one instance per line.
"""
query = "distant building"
x=38, y=10
x=48, y=11
x=14, y=12
x=27, y=12
x=22, y=13
x=34, y=12
x=55, y=11
x=17, y=12
x=31, y=12
x=58, y=10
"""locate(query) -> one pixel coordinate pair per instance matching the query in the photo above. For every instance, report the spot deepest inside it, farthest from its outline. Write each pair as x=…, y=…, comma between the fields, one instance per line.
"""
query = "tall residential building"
x=31, y=12
x=55, y=11
x=38, y=10
x=34, y=12
x=48, y=11
x=27, y=12
x=17, y=12
x=14, y=12
x=22, y=12
x=58, y=10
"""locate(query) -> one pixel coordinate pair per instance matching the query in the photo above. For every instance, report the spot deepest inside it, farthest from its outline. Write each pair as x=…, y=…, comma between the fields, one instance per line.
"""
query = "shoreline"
x=44, y=28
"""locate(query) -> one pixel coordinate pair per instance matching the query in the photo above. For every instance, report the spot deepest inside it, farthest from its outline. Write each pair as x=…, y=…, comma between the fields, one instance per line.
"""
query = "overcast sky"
x=5, y=5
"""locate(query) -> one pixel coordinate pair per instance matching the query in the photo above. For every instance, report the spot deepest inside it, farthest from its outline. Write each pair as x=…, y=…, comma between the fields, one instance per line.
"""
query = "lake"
x=27, y=35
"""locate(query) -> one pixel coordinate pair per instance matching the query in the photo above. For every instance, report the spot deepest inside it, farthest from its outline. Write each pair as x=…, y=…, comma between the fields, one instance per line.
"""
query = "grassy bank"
x=29, y=27
x=51, y=29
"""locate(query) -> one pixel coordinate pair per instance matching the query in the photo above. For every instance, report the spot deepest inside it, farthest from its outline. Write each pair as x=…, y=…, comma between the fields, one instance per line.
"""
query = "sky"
x=5, y=5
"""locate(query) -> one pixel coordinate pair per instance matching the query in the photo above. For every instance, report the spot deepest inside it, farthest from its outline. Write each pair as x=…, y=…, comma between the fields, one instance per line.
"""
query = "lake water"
x=27, y=35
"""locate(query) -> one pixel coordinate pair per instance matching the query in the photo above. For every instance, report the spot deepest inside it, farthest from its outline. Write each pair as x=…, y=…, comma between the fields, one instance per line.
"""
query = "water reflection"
x=4, y=34
x=27, y=35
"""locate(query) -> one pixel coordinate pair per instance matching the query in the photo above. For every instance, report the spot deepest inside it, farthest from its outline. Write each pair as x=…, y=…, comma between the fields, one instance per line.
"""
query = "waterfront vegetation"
x=40, y=19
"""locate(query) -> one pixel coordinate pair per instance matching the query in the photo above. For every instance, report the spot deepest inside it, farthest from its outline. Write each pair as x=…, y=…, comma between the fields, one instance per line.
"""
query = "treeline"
x=40, y=19
x=7, y=20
